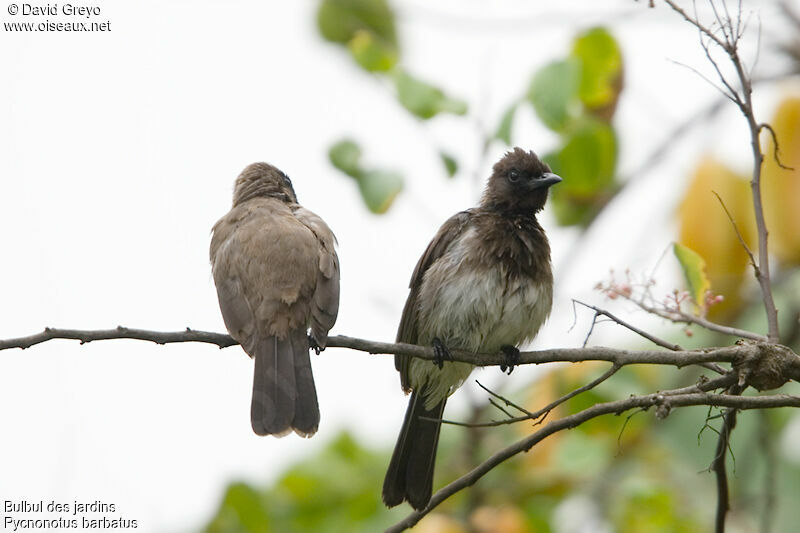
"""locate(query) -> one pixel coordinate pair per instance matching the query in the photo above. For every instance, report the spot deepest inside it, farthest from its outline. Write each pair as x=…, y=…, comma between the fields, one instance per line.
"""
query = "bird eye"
x=513, y=175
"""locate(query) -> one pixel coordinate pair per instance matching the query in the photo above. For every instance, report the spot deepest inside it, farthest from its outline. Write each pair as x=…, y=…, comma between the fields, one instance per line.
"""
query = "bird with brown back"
x=277, y=275
x=483, y=285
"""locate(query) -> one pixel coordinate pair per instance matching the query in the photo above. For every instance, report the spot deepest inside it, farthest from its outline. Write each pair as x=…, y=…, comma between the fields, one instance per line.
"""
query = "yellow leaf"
x=706, y=229
x=781, y=187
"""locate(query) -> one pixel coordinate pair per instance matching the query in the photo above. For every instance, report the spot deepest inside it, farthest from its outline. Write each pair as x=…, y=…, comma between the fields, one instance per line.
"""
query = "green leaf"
x=345, y=156
x=554, y=93
x=371, y=52
x=503, y=132
x=424, y=100
x=600, y=61
x=450, y=164
x=588, y=159
x=242, y=509
x=694, y=271
x=379, y=189
x=339, y=20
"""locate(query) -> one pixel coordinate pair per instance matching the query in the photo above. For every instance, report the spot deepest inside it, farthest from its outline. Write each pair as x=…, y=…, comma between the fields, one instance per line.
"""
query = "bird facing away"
x=484, y=285
x=277, y=275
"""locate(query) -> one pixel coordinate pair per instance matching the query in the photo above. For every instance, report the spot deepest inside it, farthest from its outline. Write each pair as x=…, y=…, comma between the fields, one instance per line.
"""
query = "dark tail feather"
x=274, y=390
x=306, y=408
x=410, y=473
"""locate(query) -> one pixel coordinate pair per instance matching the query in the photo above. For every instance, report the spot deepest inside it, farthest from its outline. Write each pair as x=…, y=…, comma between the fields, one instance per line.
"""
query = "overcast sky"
x=118, y=152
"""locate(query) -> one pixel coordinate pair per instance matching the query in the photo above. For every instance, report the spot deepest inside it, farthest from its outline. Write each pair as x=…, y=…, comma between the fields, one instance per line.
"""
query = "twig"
x=738, y=233
x=504, y=399
x=685, y=318
x=544, y=410
x=616, y=407
x=652, y=338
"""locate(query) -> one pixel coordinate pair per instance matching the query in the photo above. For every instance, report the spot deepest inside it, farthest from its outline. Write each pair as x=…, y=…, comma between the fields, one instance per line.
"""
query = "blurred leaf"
x=781, y=187
x=600, y=61
x=498, y=519
x=554, y=93
x=340, y=20
x=372, y=53
x=450, y=164
x=588, y=159
x=706, y=229
x=241, y=510
x=337, y=489
x=694, y=272
x=587, y=163
x=504, y=129
x=379, y=189
x=424, y=100
x=345, y=156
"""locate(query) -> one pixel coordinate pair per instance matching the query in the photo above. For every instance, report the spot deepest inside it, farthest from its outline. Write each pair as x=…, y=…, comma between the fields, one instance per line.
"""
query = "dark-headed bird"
x=483, y=285
x=277, y=275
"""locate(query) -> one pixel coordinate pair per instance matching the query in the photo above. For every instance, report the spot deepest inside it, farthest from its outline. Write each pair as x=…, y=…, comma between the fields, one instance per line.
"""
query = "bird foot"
x=511, y=354
x=314, y=345
x=440, y=353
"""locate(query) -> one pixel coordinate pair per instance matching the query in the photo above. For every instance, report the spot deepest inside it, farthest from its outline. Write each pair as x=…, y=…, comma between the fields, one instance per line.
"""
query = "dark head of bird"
x=263, y=180
x=518, y=184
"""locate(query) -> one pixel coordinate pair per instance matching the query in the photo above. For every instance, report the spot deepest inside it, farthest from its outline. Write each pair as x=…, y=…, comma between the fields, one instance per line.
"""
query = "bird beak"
x=547, y=180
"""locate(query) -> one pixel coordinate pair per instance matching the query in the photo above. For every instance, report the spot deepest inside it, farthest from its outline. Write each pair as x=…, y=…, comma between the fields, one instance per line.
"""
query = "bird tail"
x=284, y=395
x=410, y=473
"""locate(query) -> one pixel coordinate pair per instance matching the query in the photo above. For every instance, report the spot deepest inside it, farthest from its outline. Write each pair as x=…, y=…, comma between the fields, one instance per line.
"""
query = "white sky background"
x=118, y=152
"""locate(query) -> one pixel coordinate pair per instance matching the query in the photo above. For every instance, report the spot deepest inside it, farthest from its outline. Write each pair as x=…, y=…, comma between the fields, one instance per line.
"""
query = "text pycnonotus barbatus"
x=277, y=275
x=484, y=285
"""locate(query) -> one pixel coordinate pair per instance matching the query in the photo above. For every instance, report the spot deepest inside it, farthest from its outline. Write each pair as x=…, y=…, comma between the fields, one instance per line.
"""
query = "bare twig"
x=685, y=318
x=544, y=410
x=738, y=233
x=652, y=338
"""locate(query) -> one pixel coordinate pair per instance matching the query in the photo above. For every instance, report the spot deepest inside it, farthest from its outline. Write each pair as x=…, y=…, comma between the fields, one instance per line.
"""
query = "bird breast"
x=479, y=303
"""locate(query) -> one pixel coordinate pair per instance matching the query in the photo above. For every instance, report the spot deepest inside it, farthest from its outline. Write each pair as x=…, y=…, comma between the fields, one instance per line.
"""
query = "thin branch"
x=738, y=233
x=544, y=410
x=505, y=400
x=652, y=338
x=568, y=422
x=685, y=318
x=776, y=153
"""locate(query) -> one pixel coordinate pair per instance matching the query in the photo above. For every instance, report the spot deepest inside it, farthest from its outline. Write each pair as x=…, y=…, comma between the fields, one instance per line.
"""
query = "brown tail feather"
x=410, y=473
x=274, y=390
x=306, y=408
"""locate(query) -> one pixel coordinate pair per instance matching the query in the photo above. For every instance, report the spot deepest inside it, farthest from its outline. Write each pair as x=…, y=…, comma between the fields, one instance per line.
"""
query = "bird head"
x=263, y=180
x=519, y=183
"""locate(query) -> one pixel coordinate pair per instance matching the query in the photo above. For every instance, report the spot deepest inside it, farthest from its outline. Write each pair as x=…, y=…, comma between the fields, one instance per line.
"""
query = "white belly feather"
x=473, y=309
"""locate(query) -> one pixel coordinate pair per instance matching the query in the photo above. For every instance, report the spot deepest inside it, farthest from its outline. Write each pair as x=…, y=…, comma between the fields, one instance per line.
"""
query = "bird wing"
x=259, y=256
x=409, y=321
x=325, y=302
